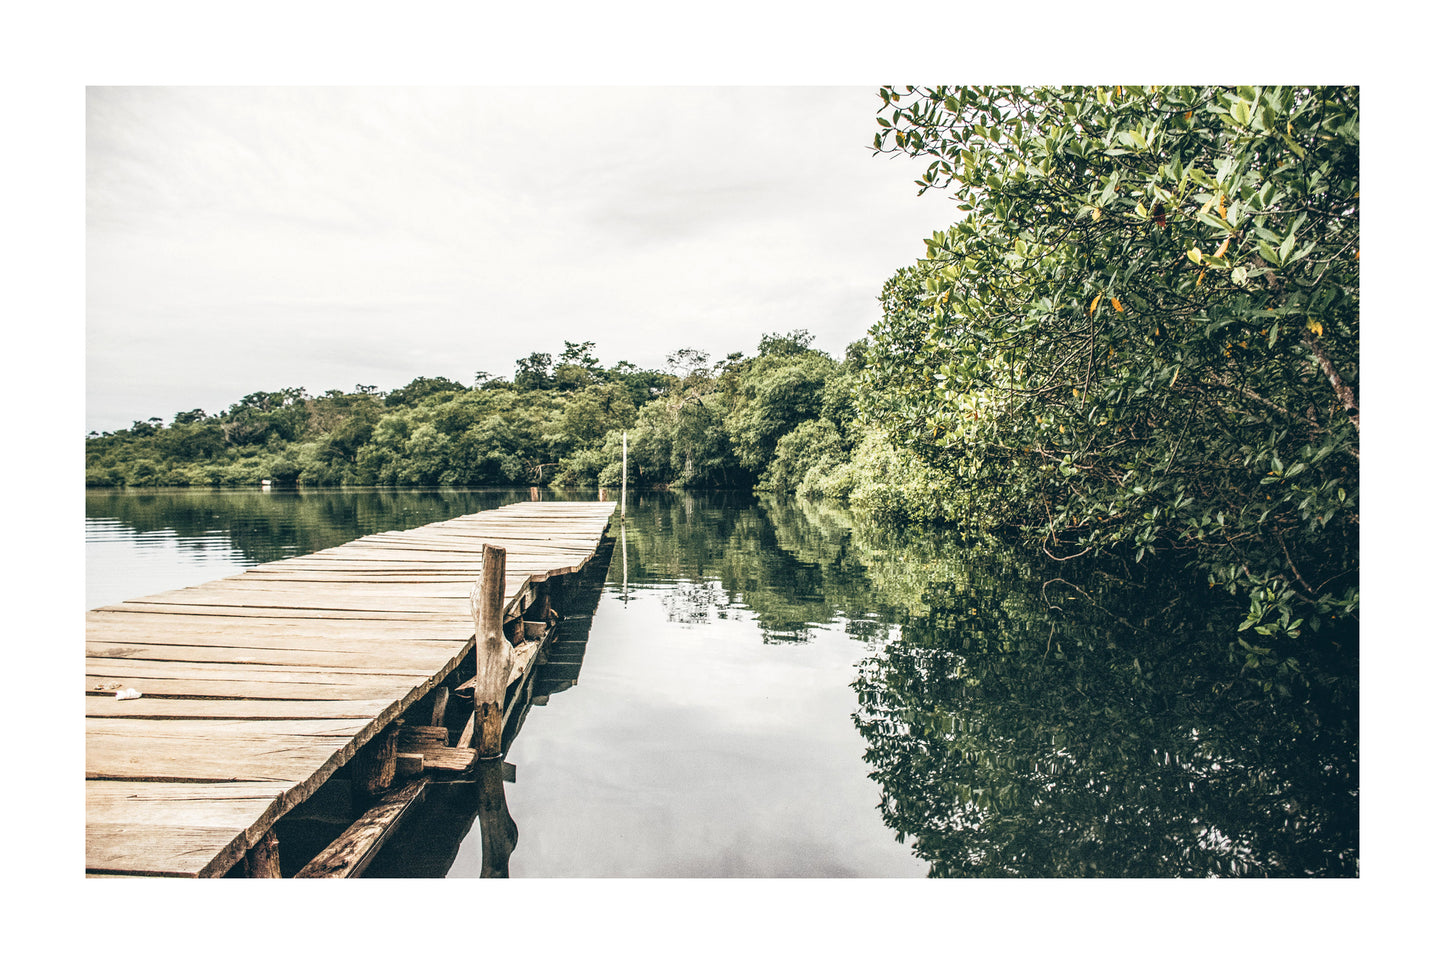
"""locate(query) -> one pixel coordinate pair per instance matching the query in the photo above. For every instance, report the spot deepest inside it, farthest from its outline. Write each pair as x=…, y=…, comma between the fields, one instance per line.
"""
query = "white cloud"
x=248, y=238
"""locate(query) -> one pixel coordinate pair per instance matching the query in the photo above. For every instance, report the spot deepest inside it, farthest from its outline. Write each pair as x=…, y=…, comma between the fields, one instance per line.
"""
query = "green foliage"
x=534, y=371
x=775, y=392
x=592, y=412
x=892, y=483
x=577, y=367
x=420, y=388
x=1143, y=335
x=642, y=384
x=795, y=342
x=812, y=446
x=558, y=424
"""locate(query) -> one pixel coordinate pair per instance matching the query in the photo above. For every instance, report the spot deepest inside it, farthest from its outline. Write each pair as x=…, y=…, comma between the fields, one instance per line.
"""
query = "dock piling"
x=494, y=651
x=264, y=859
x=375, y=767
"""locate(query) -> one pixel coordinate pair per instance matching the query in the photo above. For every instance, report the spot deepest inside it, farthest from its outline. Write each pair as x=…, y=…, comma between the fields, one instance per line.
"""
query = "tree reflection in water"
x=1031, y=721
x=1014, y=736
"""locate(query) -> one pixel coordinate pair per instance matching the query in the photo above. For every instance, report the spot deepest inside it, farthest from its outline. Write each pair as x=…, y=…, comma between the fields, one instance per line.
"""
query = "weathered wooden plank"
x=114, y=669
x=104, y=686
x=154, y=758
x=153, y=850
x=183, y=709
x=219, y=750
x=215, y=805
x=366, y=602
x=142, y=627
x=425, y=734
x=351, y=853
x=415, y=658
x=178, y=609
x=439, y=756
x=201, y=730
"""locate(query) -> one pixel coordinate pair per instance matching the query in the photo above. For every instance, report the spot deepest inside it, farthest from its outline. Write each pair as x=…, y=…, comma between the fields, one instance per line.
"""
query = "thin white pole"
x=624, y=475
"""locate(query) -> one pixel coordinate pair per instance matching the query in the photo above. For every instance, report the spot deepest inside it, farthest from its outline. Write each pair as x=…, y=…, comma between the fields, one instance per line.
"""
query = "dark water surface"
x=771, y=689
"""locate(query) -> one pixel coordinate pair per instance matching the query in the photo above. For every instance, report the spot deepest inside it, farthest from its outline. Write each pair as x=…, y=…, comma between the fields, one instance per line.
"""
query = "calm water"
x=770, y=689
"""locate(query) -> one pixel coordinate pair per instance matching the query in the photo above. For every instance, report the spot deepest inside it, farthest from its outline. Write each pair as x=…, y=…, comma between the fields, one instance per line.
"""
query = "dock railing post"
x=494, y=651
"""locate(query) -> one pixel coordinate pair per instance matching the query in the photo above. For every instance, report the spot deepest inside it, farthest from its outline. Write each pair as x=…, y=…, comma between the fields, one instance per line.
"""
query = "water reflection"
x=496, y=828
x=775, y=689
x=1019, y=735
x=1032, y=721
x=142, y=541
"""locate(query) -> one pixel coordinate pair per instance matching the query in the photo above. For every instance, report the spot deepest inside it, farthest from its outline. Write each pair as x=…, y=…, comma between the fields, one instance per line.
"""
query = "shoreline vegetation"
x=1139, y=342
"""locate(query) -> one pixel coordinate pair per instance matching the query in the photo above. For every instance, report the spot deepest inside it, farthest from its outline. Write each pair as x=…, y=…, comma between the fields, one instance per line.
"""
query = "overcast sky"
x=255, y=238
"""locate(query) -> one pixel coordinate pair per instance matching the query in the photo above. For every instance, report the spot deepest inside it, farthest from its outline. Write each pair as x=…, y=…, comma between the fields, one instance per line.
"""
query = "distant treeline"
x=783, y=419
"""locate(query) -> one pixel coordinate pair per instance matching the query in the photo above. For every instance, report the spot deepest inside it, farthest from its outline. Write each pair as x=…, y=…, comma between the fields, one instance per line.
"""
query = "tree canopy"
x=1143, y=333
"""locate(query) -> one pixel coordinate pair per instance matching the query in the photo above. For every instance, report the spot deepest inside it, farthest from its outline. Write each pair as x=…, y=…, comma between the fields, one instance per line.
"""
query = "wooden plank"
x=351, y=853
x=214, y=805
x=101, y=668
x=141, y=627
x=360, y=602
x=439, y=756
x=183, y=709
x=360, y=616
x=101, y=687
x=219, y=750
x=410, y=658
x=425, y=734
x=161, y=851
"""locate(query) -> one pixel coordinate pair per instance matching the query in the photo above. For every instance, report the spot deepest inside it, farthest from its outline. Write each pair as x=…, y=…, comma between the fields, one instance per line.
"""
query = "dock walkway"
x=258, y=687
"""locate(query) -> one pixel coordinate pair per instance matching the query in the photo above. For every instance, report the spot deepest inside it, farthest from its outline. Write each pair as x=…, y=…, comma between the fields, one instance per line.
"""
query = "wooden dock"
x=257, y=688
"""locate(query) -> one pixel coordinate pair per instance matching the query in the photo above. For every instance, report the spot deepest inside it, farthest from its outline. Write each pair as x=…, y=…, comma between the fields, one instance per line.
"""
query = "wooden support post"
x=375, y=767
x=439, y=706
x=350, y=854
x=409, y=764
x=494, y=652
x=264, y=859
x=541, y=608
